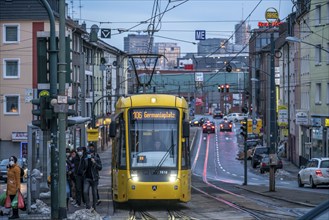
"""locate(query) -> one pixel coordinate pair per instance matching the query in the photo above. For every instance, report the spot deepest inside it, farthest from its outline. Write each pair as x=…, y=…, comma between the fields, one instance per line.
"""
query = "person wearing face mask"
x=13, y=182
x=69, y=173
x=79, y=175
x=93, y=164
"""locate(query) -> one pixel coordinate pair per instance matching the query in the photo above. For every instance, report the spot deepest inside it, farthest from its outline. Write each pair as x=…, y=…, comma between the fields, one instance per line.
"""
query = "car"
x=258, y=154
x=265, y=163
x=236, y=117
x=217, y=114
x=225, y=125
x=197, y=122
x=3, y=168
x=194, y=122
x=208, y=127
x=316, y=172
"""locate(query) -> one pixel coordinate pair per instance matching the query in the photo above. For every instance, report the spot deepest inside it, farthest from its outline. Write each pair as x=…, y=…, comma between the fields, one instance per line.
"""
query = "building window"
x=11, y=105
x=11, y=68
x=317, y=14
x=11, y=33
x=318, y=49
x=318, y=93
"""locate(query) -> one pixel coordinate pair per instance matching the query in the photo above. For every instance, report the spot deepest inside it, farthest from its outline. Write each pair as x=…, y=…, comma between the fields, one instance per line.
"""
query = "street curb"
x=275, y=197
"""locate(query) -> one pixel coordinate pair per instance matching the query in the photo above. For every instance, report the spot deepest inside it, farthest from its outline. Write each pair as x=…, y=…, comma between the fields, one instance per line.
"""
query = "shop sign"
x=282, y=115
x=301, y=118
x=271, y=15
x=19, y=136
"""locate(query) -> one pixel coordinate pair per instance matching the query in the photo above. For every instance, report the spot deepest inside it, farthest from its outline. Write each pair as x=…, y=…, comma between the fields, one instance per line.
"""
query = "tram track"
x=255, y=205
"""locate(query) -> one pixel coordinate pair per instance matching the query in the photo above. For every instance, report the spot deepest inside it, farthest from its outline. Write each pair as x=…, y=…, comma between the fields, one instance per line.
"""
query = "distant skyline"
x=179, y=23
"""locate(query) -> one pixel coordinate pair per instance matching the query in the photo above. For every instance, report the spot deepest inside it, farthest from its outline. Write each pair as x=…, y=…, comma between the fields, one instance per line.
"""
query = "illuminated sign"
x=151, y=114
x=267, y=24
x=271, y=15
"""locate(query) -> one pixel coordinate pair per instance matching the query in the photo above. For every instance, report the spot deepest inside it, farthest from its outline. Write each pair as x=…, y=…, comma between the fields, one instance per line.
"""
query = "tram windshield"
x=153, y=135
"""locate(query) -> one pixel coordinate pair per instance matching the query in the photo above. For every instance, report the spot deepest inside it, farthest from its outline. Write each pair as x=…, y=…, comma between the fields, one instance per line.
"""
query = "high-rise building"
x=212, y=46
x=138, y=44
x=170, y=52
x=242, y=33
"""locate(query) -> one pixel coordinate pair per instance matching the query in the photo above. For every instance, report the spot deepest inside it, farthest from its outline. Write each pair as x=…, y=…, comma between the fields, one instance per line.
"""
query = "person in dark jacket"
x=79, y=175
x=92, y=164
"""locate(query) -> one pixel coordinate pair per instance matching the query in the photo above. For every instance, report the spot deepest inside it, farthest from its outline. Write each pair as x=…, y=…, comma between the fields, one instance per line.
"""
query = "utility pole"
x=53, y=123
x=62, y=115
x=272, y=116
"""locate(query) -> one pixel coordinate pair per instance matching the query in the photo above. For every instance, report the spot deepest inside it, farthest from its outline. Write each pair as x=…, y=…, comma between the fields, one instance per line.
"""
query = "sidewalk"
x=103, y=209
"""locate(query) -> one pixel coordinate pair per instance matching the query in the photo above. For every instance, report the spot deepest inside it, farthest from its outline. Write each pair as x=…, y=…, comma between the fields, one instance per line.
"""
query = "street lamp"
x=297, y=40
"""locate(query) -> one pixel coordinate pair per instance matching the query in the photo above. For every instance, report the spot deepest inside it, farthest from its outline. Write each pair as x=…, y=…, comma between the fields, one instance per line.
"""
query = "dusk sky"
x=180, y=21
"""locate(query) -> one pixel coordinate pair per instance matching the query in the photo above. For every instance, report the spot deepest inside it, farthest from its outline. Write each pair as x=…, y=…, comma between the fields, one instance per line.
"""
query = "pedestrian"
x=13, y=182
x=92, y=147
x=69, y=173
x=72, y=177
x=92, y=164
x=79, y=175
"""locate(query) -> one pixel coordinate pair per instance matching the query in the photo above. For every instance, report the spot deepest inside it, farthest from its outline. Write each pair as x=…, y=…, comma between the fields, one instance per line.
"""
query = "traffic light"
x=244, y=110
x=42, y=112
x=222, y=88
x=218, y=87
x=227, y=87
x=228, y=68
x=71, y=112
x=243, y=127
x=247, y=95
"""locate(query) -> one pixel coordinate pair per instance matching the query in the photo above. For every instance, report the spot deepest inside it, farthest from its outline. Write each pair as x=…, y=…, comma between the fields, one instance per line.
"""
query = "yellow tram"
x=150, y=149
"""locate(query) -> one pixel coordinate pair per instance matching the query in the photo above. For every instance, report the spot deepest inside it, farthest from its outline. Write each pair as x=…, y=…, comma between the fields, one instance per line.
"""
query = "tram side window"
x=122, y=143
x=186, y=163
x=185, y=154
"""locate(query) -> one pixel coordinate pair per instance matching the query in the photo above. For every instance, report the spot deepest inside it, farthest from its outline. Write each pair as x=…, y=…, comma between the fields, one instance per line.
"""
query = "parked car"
x=3, y=168
x=208, y=127
x=265, y=163
x=217, y=114
x=236, y=117
x=316, y=172
x=225, y=125
x=257, y=155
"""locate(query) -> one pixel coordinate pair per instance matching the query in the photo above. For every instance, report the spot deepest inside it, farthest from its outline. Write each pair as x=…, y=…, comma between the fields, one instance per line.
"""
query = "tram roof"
x=151, y=100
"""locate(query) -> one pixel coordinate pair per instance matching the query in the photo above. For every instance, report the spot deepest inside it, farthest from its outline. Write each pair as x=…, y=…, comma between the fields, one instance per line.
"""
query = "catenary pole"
x=53, y=123
x=62, y=115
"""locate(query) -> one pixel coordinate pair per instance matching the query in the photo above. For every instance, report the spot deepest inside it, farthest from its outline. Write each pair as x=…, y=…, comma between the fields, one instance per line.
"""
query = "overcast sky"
x=179, y=22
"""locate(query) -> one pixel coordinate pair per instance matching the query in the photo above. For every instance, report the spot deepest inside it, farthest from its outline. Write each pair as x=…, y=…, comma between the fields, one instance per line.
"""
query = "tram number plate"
x=141, y=159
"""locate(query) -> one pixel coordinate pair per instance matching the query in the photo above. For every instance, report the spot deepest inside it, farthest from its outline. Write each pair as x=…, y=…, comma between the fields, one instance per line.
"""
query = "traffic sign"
x=105, y=33
x=200, y=35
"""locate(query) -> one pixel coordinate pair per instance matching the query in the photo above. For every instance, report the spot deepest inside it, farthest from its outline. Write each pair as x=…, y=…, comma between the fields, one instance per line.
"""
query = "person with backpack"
x=13, y=183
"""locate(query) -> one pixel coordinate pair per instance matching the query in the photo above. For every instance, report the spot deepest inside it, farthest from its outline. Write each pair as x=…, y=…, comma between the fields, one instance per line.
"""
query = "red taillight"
x=204, y=126
x=212, y=126
x=263, y=165
x=230, y=125
x=318, y=173
x=222, y=125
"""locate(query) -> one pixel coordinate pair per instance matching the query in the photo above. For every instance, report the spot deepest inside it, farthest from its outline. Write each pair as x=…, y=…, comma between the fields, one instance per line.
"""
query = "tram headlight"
x=172, y=177
x=134, y=177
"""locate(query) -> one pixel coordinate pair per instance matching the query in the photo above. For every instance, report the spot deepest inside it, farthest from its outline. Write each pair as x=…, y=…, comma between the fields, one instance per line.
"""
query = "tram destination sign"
x=153, y=114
